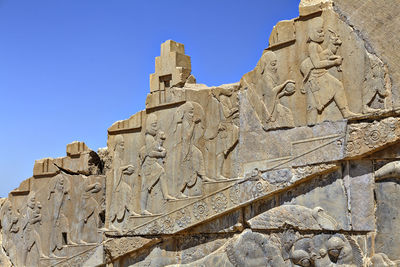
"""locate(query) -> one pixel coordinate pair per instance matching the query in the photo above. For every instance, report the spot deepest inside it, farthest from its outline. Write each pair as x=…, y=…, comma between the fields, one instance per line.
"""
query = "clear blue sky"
x=70, y=68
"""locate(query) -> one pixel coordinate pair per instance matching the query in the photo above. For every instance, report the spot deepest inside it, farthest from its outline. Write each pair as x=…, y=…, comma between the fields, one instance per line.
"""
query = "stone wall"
x=297, y=164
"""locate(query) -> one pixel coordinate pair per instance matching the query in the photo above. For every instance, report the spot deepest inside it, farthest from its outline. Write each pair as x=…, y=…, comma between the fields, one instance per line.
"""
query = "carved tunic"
x=122, y=192
x=151, y=169
x=186, y=158
x=322, y=86
x=278, y=114
x=29, y=233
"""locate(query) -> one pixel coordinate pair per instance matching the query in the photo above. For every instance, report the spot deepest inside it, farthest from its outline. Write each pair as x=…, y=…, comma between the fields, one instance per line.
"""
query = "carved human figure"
x=89, y=209
x=151, y=157
x=186, y=160
x=59, y=193
x=271, y=91
x=375, y=91
x=9, y=224
x=320, y=86
x=222, y=134
x=121, y=199
x=32, y=218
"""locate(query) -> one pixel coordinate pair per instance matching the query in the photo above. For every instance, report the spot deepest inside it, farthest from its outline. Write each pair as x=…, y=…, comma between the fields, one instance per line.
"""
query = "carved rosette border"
x=363, y=138
x=219, y=202
x=211, y=206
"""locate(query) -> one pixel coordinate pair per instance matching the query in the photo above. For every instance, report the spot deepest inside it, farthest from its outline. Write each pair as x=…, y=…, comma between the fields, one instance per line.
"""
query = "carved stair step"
x=51, y=261
x=177, y=203
x=230, y=196
x=65, y=253
x=137, y=220
x=210, y=187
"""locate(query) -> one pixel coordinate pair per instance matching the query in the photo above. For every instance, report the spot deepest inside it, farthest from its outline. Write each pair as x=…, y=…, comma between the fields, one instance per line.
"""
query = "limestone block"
x=284, y=32
x=134, y=123
x=278, y=169
x=75, y=148
x=44, y=167
x=359, y=182
x=381, y=32
x=165, y=99
x=87, y=163
x=309, y=7
x=296, y=216
x=387, y=214
x=172, y=67
x=23, y=189
x=172, y=46
x=116, y=248
x=366, y=138
x=325, y=191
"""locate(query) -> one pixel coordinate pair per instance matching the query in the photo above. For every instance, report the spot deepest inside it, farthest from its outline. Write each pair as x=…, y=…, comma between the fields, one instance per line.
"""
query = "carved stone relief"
x=152, y=156
x=319, y=85
x=185, y=162
x=222, y=131
x=265, y=91
x=121, y=202
x=295, y=165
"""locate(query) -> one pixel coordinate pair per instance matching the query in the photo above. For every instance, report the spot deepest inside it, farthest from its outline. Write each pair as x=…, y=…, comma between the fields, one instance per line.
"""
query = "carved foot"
x=134, y=213
x=52, y=255
x=182, y=195
x=82, y=242
x=348, y=114
x=222, y=178
x=206, y=179
x=169, y=197
x=113, y=228
x=145, y=212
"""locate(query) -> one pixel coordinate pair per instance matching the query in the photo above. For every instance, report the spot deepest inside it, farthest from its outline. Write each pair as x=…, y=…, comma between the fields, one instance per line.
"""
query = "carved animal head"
x=334, y=39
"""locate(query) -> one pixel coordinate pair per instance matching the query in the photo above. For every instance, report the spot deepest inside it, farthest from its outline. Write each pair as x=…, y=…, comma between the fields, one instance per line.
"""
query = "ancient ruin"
x=297, y=164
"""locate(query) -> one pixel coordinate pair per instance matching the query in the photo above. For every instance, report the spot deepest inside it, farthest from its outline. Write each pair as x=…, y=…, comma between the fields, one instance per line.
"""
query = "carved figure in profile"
x=121, y=199
x=320, y=86
x=32, y=218
x=375, y=91
x=186, y=161
x=271, y=91
x=222, y=134
x=89, y=209
x=151, y=157
x=59, y=193
x=9, y=224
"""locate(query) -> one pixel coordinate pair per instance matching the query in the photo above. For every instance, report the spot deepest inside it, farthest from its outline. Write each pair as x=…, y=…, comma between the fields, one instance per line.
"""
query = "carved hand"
x=338, y=61
x=289, y=81
x=128, y=170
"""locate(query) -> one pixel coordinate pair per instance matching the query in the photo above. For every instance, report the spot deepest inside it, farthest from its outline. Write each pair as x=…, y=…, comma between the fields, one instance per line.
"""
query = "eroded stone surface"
x=297, y=164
